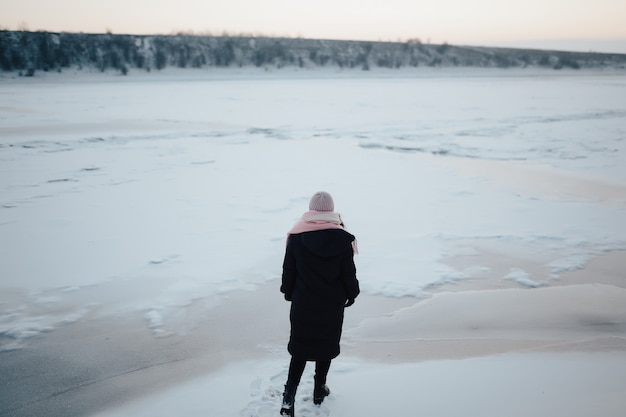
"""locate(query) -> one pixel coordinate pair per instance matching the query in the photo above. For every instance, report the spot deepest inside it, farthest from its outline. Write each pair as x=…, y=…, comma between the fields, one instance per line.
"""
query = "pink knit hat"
x=321, y=201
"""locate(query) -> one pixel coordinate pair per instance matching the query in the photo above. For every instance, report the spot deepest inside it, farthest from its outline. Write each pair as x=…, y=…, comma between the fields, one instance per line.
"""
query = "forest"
x=27, y=52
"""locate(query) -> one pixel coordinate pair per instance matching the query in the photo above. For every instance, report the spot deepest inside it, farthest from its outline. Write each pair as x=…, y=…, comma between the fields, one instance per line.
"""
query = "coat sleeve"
x=289, y=271
x=348, y=273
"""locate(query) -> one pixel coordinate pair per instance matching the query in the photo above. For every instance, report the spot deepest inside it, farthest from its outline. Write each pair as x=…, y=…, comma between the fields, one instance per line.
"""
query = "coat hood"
x=327, y=243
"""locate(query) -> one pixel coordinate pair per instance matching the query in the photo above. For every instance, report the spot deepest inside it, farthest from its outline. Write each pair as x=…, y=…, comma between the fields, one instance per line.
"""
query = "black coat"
x=319, y=276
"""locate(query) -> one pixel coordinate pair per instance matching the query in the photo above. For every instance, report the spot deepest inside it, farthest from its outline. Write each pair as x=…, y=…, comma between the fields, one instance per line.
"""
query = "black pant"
x=296, y=368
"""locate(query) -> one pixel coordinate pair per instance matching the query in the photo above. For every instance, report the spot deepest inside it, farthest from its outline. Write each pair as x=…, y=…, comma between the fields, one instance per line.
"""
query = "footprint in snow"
x=266, y=395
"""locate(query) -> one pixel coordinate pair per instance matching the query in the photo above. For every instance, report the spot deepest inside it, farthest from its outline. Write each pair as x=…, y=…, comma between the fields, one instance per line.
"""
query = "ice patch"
x=155, y=323
x=15, y=330
x=18, y=325
x=523, y=278
x=570, y=263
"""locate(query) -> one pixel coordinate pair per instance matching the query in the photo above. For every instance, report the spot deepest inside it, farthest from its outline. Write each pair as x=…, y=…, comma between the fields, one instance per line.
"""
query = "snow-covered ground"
x=512, y=385
x=161, y=195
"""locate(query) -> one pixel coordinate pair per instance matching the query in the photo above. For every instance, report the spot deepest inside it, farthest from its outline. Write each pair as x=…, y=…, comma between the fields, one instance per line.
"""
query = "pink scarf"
x=320, y=220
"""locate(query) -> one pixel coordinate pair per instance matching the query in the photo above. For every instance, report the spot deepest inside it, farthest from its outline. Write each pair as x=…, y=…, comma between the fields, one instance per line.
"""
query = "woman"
x=319, y=278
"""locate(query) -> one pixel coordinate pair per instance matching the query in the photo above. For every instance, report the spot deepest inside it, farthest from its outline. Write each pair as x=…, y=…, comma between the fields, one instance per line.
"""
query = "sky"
x=581, y=25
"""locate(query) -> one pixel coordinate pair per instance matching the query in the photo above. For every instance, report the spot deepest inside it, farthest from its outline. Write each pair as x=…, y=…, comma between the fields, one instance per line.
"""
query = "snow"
x=159, y=194
x=541, y=385
x=522, y=277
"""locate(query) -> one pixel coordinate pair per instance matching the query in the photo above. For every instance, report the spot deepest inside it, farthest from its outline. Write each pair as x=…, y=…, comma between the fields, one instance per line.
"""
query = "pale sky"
x=584, y=25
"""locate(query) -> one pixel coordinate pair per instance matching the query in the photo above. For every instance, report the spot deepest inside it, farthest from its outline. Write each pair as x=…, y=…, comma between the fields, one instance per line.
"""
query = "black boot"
x=289, y=398
x=320, y=391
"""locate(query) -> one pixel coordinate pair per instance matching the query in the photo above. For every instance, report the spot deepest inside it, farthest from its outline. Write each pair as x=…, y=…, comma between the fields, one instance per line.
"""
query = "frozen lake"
x=159, y=195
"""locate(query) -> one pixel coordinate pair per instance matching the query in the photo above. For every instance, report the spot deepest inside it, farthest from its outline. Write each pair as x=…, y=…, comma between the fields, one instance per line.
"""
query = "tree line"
x=28, y=52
